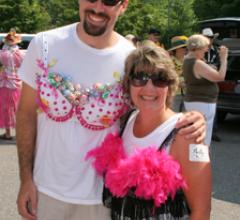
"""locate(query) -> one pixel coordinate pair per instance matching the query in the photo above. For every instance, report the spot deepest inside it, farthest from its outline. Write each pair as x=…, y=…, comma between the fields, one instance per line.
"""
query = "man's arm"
x=26, y=136
x=193, y=126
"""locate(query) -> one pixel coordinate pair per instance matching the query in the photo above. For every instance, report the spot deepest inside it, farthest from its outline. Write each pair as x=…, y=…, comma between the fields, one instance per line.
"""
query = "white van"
x=26, y=38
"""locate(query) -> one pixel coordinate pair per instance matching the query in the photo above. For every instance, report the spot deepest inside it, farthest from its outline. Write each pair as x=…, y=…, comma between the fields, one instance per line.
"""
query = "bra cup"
x=52, y=101
x=95, y=113
x=102, y=112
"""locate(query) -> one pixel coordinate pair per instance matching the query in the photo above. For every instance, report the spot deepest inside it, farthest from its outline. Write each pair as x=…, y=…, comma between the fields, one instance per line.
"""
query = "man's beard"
x=94, y=30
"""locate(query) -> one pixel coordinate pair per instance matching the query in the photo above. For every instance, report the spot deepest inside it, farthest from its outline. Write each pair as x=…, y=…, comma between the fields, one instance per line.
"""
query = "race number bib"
x=199, y=153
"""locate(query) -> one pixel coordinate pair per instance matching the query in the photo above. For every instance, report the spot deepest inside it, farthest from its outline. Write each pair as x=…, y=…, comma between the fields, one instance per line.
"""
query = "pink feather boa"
x=108, y=154
x=152, y=173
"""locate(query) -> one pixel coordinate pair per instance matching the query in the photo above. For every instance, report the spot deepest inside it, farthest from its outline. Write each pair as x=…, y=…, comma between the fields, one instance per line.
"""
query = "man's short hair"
x=154, y=31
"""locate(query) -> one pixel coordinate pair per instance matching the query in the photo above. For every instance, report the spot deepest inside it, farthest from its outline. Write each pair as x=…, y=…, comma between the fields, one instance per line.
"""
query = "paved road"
x=226, y=171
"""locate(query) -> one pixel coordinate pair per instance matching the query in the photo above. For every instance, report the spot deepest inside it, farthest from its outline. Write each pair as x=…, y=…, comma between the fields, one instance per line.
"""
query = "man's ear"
x=124, y=6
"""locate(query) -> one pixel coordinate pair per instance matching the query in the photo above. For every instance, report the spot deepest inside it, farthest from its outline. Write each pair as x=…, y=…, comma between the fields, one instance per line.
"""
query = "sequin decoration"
x=96, y=107
x=75, y=94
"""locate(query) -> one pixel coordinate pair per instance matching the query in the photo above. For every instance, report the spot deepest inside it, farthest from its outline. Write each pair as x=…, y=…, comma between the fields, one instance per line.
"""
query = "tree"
x=61, y=12
x=218, y=8
x=171, y=17
x=25, y=16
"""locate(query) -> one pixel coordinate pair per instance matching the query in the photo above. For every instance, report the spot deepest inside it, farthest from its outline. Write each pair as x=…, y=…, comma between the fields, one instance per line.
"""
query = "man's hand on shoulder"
x=193, y=126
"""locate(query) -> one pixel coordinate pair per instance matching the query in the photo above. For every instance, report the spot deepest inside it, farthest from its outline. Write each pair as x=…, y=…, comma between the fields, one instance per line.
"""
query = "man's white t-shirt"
x=60, y=168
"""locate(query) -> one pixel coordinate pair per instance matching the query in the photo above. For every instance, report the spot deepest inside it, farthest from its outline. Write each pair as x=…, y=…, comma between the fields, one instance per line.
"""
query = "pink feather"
x=152, y=173
x=108, y=154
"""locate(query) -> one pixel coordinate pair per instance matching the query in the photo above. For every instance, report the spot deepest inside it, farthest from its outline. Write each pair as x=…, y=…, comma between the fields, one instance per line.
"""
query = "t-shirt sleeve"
x=29, y=68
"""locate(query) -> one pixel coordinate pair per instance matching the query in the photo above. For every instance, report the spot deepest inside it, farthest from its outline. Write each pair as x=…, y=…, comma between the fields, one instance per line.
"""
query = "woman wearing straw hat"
x=10, y=60
x=178, y=51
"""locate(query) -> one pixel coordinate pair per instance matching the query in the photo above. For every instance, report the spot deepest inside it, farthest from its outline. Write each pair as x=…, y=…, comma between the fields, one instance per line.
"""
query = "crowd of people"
x=96, y=135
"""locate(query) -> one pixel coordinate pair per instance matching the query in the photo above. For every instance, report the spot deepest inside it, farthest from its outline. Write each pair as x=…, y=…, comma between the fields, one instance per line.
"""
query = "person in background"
x=147, y=42
x=130, y=38
x=200, y=79
x=10, y=85
x=138, y=186
x=212, y=58
x=177, y=51
x=133, y=39
x=72, y=97
x=155, y=36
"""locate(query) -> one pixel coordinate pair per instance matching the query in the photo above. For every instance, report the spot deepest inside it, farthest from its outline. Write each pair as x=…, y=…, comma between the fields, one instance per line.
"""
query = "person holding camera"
x=200, y=79
x=212, y=58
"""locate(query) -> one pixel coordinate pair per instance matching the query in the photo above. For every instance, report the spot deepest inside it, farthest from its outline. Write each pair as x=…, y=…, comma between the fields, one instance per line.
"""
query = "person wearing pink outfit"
x=10, y=85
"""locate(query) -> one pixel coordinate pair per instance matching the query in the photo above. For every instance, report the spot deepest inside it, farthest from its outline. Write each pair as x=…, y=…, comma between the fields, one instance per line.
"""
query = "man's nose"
x=99, y=6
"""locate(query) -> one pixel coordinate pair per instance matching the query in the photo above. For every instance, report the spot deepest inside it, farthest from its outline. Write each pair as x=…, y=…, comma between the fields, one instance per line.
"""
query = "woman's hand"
x=223, y=53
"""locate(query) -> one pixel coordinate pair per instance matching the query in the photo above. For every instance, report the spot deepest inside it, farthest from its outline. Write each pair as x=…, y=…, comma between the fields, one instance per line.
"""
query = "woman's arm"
x=196, y=169
x=203, y=70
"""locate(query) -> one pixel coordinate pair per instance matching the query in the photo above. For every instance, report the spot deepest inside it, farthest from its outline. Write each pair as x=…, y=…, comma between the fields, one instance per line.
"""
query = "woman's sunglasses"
x=141, y=79
x=107, y=2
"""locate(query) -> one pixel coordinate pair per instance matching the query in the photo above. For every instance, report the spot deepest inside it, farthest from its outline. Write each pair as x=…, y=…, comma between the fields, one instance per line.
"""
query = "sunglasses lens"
x=141, y=79
x=158, y=81
x=110, y=2
x=107, y=2
x=138, y=80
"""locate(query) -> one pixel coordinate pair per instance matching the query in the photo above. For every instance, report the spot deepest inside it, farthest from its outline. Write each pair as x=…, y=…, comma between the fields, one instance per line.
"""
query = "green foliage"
x=171, y=17
x=25, y=16
x=216, y=8
x=140, y=16
x=61, y=12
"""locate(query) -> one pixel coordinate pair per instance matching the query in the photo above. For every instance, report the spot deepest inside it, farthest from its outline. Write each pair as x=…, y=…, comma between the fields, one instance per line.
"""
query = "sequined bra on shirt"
x=96, y=107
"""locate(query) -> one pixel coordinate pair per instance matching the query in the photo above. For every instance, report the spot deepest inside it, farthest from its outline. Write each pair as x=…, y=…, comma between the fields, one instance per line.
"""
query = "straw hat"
x=12, y=38
x=178, y=42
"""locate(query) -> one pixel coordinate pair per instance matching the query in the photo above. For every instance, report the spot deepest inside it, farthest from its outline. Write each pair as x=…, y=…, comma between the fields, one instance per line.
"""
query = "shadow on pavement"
x=225, y=160
x=8, y=142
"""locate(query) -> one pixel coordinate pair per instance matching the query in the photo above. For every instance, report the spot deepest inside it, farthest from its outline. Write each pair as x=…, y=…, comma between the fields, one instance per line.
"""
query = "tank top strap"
x=169, y=139
x=124, y=120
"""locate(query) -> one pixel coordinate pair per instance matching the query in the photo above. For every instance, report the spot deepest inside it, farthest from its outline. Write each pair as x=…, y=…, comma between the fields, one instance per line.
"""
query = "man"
x=154, y=35
x=212, y=58
x=71, y=75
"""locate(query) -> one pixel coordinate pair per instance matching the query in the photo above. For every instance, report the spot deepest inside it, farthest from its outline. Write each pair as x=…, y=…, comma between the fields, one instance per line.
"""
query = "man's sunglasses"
x=141, y=79
x=107, y=2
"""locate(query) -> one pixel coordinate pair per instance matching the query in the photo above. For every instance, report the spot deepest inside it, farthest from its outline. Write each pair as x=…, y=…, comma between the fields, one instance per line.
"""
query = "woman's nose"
x=149, y=84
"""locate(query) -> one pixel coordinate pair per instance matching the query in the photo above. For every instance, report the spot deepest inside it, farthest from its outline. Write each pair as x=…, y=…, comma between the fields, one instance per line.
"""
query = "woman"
x=143, y=178
x=177, y=51
x=10, y=60
x=200, y=79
